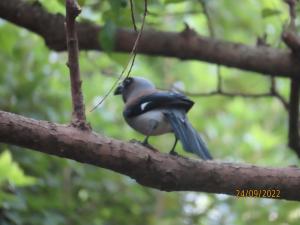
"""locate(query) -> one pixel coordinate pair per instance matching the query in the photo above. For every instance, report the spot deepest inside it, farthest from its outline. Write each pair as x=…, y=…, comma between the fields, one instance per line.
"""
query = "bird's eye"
x=127, y=81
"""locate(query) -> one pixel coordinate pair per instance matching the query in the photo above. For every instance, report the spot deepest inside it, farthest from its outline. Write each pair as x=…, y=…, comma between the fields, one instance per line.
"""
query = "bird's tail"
x=189, y=137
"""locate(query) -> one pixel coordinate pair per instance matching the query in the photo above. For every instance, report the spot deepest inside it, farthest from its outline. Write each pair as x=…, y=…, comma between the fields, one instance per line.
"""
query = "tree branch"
x=184, y=45
x=78, y=115
x=292, y=40
x=220, y=92
x=147, y=167
x=289, y=35
x=293, y=134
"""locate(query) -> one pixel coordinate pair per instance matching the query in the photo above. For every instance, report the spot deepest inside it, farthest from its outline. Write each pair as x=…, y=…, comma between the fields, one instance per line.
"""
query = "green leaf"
x=8, y=39
x=11, y=172
x=267, y=12
x=54, y=6
x=107, y=36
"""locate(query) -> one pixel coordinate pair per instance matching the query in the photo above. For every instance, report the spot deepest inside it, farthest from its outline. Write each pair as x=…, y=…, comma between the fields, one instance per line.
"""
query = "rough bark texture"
x=147, y=167
x=184, y=45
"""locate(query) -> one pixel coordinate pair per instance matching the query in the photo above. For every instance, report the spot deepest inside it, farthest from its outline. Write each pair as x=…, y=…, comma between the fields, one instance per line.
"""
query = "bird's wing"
x=157, y=100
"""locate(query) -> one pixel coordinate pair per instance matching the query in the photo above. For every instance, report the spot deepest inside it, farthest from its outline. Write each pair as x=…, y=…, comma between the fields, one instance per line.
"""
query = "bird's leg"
x=172, y=152
x=146, y=144
x=152, y=126
x=145, y=141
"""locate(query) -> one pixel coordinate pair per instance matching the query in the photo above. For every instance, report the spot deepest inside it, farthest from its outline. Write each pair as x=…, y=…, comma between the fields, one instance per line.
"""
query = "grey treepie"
x=154, y=112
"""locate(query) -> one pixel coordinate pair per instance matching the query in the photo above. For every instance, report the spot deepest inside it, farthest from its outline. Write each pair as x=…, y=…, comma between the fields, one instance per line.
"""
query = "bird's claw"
x=172, y=152
x=145, y=144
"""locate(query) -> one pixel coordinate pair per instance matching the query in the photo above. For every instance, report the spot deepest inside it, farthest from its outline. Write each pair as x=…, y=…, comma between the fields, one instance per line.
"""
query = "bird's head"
x=133, y=86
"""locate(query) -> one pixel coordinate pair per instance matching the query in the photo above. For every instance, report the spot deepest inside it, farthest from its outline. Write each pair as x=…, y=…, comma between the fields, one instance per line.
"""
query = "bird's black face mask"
x=119, y=90
x=124, y=85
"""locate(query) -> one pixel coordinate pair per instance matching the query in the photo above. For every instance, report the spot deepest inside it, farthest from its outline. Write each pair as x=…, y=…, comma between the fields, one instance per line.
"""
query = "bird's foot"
x=172, y=152
x=145, y=144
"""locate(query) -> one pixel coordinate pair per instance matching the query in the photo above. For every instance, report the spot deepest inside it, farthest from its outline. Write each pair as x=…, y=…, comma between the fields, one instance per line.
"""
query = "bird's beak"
x=119, y=90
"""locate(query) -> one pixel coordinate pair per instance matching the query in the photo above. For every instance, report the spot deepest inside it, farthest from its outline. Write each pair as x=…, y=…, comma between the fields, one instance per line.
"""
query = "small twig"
x=262, y=41
x=132, y=15
x=132, y=60
x=273, y=85
x=219, y=89
x=138, y=38
x=274, y=92
x=292, y=12
x=225, y=94
x=235, y=94
x=208, y=18
x=78, y=115
x=285, y=104
x=219, y=79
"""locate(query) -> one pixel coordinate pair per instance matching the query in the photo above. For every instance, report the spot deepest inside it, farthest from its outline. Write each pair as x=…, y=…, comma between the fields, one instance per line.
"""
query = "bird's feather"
x=189, y=137
x=157, y=100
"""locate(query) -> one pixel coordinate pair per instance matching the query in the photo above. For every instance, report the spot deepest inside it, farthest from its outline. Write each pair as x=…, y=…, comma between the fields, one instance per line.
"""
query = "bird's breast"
x=150, y=123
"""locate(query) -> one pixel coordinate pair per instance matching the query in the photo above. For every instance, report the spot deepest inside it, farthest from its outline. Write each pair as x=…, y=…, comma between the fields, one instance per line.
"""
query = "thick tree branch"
x=147, y=167
x=184, y=45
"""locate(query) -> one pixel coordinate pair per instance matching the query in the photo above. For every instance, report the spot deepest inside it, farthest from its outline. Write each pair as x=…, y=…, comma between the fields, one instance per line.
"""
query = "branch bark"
x=78, y=115
x=292, y=40
x=184, y=45
x=293, y=135
x=147, y=167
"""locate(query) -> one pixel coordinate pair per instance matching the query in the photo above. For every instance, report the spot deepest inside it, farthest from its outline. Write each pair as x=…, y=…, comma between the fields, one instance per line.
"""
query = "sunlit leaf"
x=267, y=12
x=11, y=172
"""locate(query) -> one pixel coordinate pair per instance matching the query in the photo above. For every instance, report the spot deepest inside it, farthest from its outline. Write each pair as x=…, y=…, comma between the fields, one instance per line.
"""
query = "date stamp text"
x=257, y=193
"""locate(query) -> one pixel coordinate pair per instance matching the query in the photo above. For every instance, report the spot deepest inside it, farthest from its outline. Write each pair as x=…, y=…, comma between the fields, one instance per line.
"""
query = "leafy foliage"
x=34, y=82
x=11, y=172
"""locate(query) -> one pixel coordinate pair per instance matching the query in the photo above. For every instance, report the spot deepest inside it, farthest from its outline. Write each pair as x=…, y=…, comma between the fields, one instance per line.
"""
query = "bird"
x=153, y=112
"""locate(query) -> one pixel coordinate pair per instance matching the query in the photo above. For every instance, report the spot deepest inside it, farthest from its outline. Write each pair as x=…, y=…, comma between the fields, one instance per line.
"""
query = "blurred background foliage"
x=41, y=189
